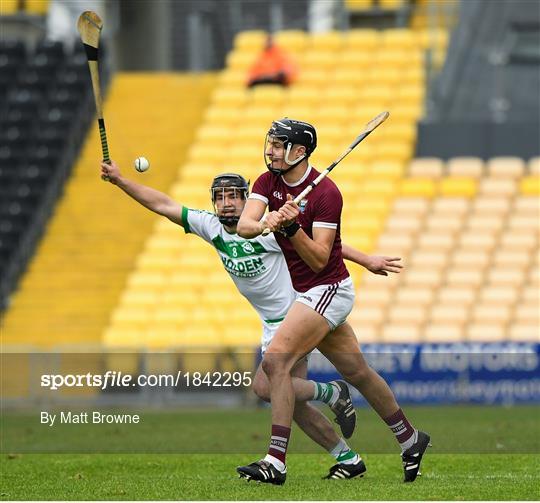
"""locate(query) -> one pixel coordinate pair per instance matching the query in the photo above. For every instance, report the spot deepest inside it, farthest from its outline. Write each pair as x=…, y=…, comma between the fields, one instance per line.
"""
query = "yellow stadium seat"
x=384, y=76
x=400, y=152
x=250, y=41
x=382, y=95
x=429, y=259
x=478, y=240
x=443, y=333
x=499, y=295
x=354, y=60
x=448, y=295
x=415, y=187
x=421, y=295
x=316, y=59
x=485, y=331
x=527, y=313
x=429, y=167
x=418, y=276
x=240, y=60
x=410, y=224
x=439, y=240
x=331, y=41
x=39, y=7
x=530, y=222
x=131, y=318
x=398, y=333
x=524, y=332
x=527, y=205
x=267, y=95
x=340, y=95
x=458, y=186
x=407, y=314
x=510, y=276
x=230, y=97
x=484, y=222
x=390, y=169
x=221, y=114
x=402, y=38
x=506, y=167
x=471, y=256
x=406, y=112
x=373, y=296
x=530, y=185
x=491, y=313
x=232, y=78
x=367, y=315
x=398, y=133
x=123, y=338
x=8, y=7
x=498, y=187
x=451, y=205
x=292, y=40
x=504, y=258
x=469, y=277
x=410, y=205
x=465, y=166
x=518, y=240
x=444, y=222
x=381, y=187
x=457, y=314
x=317, y=77
x=363, y=39
x=137, y=298
x=355, y=5
x=491, y=205
x=398, y=244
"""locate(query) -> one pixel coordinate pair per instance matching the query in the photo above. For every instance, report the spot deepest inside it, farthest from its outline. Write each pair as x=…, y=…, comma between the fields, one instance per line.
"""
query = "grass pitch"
x=462, y=465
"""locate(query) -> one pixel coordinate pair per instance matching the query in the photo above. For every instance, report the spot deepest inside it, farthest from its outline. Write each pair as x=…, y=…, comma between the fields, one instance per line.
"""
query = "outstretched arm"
x=150, y=198
x=374, y=263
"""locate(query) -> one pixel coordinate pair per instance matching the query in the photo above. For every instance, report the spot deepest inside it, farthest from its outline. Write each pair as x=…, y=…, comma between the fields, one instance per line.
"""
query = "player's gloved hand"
x=289, y=212
x=272, y=221
x=383, y=265
x=111, y=171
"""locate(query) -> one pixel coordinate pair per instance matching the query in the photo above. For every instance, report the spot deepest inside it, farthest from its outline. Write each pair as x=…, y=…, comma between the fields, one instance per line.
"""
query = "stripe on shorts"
x=330, y=297
x=330, y=292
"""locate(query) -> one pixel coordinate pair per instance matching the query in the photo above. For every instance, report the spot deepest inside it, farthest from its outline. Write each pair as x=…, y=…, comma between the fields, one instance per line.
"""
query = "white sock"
x=276, y=463
x=344, y=454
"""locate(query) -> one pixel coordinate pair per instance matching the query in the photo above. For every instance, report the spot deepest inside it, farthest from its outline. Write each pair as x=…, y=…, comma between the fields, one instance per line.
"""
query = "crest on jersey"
x=248, y=247
x=302, y=205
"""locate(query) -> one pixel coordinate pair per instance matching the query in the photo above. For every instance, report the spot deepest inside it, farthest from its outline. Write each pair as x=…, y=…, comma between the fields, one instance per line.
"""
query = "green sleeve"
x=185, y=221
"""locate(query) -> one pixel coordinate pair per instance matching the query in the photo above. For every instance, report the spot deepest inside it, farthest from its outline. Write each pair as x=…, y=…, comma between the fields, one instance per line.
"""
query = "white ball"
x=141, y=164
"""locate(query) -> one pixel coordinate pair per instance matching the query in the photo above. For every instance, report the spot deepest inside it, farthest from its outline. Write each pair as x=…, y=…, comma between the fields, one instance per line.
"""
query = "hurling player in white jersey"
x=259, y=271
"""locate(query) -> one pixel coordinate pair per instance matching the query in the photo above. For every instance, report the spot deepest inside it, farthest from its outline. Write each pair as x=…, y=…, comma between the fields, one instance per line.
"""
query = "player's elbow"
x=242, y=228
x=318, y=265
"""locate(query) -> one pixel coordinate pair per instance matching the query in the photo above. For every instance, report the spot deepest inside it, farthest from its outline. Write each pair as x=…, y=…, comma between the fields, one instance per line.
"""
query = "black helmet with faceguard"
x=291, y=132
x=226, y=182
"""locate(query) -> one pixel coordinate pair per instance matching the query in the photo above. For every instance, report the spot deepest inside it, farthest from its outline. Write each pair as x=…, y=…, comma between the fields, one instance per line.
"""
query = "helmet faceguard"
x=227, y=182
x=290, y=132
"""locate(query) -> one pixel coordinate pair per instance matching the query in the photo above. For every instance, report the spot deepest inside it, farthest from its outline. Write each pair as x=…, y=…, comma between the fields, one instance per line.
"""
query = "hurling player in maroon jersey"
x=309, y=236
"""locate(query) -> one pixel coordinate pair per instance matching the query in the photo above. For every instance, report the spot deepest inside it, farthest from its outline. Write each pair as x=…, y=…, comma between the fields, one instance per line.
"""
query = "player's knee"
x=357, y=375
x=261, y=389
x=274, y=364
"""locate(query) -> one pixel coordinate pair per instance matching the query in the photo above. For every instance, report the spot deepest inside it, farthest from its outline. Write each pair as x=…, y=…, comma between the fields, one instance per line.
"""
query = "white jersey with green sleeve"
x=257, y=266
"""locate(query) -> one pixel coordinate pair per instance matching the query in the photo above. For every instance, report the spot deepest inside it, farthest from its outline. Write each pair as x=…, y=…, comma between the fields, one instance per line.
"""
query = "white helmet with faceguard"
x=290, y=132
x=227, y=182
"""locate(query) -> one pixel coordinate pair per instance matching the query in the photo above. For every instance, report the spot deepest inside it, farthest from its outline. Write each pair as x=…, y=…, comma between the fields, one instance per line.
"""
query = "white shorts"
x=334, y=302
x=269, y=330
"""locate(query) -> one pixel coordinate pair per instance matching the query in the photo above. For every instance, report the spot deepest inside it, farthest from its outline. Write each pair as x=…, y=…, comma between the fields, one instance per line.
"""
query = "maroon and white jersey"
x=321, y=208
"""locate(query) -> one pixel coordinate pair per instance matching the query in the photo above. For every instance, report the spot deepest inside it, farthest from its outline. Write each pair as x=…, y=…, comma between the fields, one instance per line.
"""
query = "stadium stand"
x=40, y=132
x=80, y=246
